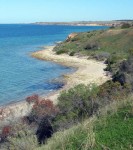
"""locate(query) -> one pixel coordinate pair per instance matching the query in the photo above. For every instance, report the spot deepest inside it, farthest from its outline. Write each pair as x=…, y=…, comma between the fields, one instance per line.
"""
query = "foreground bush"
x=42, y=114
x=83, y=101
x=45, y=130
x=75, y=104
x=41, y=109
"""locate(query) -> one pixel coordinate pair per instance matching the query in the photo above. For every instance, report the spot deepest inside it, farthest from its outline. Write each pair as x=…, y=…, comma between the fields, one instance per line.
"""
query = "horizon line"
x=68, y=21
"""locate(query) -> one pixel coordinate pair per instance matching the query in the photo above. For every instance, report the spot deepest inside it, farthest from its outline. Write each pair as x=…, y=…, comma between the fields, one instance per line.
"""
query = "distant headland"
x=87, y=23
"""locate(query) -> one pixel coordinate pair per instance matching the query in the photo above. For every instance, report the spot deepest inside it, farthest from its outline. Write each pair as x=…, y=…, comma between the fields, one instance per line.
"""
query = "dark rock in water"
x=44, y=130
x=46, y=86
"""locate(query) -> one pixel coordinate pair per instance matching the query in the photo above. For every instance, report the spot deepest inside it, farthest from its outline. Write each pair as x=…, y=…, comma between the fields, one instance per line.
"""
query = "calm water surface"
x=21, y=75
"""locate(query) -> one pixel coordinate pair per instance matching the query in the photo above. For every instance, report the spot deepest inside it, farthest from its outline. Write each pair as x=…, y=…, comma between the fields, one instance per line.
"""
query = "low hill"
x=112, y=41
x=112, y=44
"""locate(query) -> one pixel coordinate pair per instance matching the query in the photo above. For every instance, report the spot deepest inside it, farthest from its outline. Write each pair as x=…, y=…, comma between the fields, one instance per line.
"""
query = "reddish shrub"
x=32, y=99
x=6, y=131
x=41, y=109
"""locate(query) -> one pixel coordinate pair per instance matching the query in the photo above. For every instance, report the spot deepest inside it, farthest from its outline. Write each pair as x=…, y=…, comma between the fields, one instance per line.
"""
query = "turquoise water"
x=21, y=75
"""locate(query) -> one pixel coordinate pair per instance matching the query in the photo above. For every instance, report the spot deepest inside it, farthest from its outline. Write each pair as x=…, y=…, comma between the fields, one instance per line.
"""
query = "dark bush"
x=111, y=60
x=125, y=73
x=44, y=130
x=127, y=65
x=108, y=68
x=112, y=63
x=112, y=27
x=111, y=91
x=125, y=25
x=119, y=77
x=62, y=51
x=102, y=56
x=72, y=53
x=91, y=46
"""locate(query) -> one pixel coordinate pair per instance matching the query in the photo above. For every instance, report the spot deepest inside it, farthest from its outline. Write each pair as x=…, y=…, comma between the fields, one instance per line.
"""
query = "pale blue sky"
x=25, y=11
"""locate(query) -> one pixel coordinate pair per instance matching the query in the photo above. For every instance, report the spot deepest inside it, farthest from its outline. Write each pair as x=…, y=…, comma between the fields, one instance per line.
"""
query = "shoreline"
x=87, y=71
x=79, y=24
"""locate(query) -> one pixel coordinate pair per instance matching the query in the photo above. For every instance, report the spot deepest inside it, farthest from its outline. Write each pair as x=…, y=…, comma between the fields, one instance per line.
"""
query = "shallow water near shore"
x=21, y=75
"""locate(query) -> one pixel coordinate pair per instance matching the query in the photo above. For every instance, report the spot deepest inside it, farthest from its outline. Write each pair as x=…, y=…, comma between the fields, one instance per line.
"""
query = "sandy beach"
x=87, y=71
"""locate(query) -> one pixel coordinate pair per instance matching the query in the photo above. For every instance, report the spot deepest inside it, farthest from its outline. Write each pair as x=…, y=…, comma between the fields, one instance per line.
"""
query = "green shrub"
x=72, y=53
x=76, y=38
x=111, y=91
x=62, y=51
x=76, y=104
x=113, y=62
x=112, y=59
x=83, y=101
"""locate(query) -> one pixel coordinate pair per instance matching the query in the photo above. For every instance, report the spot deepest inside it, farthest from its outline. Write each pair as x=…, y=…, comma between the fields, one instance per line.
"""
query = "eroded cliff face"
x=71, y=36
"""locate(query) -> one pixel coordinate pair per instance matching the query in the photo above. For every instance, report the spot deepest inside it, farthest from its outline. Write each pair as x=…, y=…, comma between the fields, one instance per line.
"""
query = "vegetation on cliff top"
x=113, y=45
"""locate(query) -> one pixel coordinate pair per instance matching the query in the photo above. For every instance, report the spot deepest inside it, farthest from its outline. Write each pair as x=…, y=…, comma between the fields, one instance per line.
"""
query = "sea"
x=20, y=74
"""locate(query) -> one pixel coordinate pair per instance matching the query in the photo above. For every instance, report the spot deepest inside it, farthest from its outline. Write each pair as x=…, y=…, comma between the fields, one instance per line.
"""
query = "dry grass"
x=82, y=136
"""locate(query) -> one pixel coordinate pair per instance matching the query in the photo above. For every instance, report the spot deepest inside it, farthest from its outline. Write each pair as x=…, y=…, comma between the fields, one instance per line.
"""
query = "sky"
x=28, y=11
